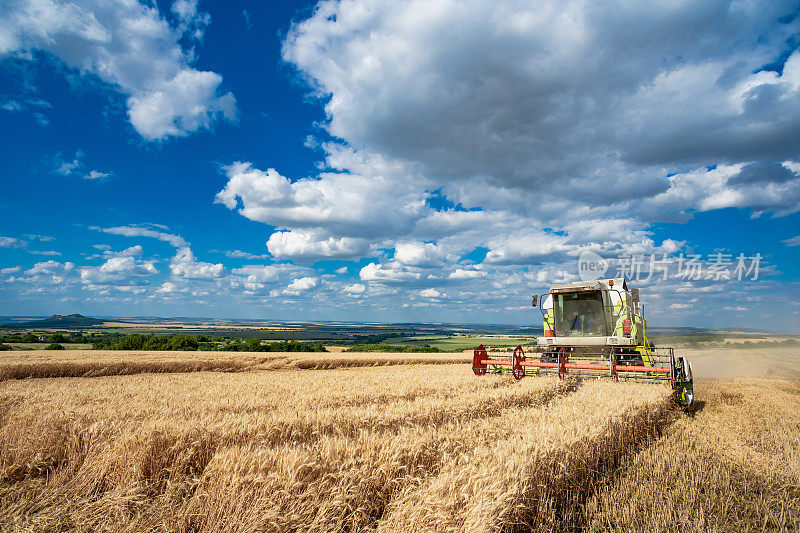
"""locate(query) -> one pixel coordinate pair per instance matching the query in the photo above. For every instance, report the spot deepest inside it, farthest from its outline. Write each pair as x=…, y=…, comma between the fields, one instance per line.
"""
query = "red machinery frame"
x=591, y=364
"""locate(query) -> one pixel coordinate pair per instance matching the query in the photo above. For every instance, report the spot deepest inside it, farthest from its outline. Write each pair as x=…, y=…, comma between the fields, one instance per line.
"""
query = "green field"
x=43, y=345
x=460, y=342
x=414, y=336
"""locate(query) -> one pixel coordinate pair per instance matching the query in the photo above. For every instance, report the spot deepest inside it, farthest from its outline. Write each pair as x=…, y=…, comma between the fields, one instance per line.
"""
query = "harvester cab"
x=593, y=313
x=592, y=329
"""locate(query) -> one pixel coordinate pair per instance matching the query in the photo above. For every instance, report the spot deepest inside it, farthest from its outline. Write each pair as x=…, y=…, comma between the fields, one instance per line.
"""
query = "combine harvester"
x=592, y=329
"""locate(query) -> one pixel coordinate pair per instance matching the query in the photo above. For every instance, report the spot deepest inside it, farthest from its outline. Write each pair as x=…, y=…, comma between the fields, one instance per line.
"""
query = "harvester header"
x=592, y=329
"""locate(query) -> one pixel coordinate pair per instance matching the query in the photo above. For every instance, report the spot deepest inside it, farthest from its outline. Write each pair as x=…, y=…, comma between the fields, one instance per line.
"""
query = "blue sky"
x=420, y=161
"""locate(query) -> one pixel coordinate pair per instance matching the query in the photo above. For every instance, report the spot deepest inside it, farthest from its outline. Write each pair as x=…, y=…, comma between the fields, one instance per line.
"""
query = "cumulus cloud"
x=257, y=277
x=167, y=288
x=117, y=268
x=342, y=203
x=355, y=289
x=534, y=97
x=49, y=273
x=761, y=186
x=539, y=142
x=297, y=287
x=419, y=254
x=303, y=284
x=186, y=265
x=389, y=273
x=430, y=293
x=525, y=247
x=133, y=48
x=477, y=148
x=49, y=267
x=524, y=118
x=311, y=245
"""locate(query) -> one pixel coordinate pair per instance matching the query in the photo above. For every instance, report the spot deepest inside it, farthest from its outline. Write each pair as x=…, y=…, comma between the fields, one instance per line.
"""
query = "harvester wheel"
x=685, y=386
x=517, y=370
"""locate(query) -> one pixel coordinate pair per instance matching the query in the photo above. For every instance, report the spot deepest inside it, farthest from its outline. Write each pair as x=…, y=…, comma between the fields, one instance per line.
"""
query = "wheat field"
x=383, y=442
x=95, y=363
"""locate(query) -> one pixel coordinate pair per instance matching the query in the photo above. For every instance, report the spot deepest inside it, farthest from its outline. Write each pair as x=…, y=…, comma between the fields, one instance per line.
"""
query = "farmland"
x=231, y=441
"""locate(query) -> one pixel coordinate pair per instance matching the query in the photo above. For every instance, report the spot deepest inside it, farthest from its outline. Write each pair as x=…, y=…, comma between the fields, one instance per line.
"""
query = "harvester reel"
x=479, y=358
x=517, y=370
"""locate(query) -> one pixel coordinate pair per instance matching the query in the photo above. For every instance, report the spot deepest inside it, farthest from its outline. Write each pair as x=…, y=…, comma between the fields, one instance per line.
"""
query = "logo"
x=591, y=266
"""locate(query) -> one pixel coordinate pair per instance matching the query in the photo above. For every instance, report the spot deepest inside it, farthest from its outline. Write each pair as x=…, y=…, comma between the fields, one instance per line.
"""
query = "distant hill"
x=58, y=321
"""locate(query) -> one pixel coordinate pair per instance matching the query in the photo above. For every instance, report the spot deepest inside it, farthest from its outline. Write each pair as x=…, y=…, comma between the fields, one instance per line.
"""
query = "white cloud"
x=10, y=270
x=44, y=252
x=49, y=273
x=239, y=254
x=36, y=106
x=118, y=267
x=185, y=265
x=738, y=308
x=11, y=242
x=461, y=273
x=794, y=241
x=525, y=247
x=131, y=47
x=390, y=273
x=298, y=286
x=341, y=204
x=167, y=288
x=419, y=254
x=430, y=293
x=66, y=168
x=49, y=267
x=40, y=238
x=759, y=186
x=182, y=105
x=355, y=289
x=189, y=18
x=138, y=231
x=257, y=277
x=525, y=111
x=117, y=264
x=130, y=250
x=532, y=97
x=310, y=245
x=96, y=175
